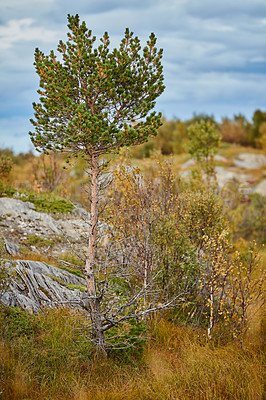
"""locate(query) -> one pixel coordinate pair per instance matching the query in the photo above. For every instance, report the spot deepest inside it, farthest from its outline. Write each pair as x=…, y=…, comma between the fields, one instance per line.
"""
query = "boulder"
x=23, y=213
x=219, y=158
x=189, y=163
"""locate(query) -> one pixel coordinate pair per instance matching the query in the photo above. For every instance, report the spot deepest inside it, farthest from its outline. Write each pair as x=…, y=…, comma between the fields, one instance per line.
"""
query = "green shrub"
x=49, y=343
x=18, y=323
x=128, y=340
x=42, y=202
x=50, y=204
x=204, y=141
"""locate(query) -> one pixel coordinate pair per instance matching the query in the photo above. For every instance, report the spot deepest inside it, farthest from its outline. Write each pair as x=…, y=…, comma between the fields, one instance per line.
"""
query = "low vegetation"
x=47, y=356
x=210, y=345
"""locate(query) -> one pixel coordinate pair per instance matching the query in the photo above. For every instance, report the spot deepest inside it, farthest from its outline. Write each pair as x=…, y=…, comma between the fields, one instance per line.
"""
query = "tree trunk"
x=93, y=299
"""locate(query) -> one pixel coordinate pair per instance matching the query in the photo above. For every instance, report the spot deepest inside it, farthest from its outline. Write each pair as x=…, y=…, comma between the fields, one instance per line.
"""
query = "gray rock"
x=225, y=175
x=81, y=212
x=36, y=285
x=21, y=215
x=261, y=188
x=217, y=157
x=250, y=160
x=189, y=163
x=11, y=247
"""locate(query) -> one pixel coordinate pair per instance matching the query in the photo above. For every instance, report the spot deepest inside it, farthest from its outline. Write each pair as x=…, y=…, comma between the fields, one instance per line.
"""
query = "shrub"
x=256, y=130
x=6, y=165
x=171, y=139
x=34, y=240
x=19, y=323
x=48, y=203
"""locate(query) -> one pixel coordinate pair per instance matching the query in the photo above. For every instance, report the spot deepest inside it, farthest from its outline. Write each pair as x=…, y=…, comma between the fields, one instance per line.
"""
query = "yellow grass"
x=176, y=364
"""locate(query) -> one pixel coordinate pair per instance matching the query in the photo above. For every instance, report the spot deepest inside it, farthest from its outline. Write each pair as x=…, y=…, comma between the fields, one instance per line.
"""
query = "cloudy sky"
x=214, y=53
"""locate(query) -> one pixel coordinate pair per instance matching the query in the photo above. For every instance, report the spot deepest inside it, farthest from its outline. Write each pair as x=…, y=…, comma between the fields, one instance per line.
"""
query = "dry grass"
x=22, y=175
x=232, y=150
x=177, y=364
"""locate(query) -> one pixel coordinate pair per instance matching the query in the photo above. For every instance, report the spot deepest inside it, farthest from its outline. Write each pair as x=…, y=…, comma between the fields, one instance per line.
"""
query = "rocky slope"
x=24, y=228
x=248, y=169
x=35, y=284
x=19, y=220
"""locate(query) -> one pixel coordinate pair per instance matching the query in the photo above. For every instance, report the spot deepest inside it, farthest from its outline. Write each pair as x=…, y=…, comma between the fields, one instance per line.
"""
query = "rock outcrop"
x=242, y=171
x=23, y=226
x=35, y=285
x=250, y=160
x=30, y=222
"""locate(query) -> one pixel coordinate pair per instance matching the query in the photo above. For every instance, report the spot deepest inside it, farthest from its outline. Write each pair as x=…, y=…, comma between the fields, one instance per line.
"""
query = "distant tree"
x=204, y=141
x=170, y=137
x=259, y=117
x=47, y=172
x=201, y=117
x=235, y=131
x=92, y=102
x=242, y=120
x=6, y=165
x=261, y=142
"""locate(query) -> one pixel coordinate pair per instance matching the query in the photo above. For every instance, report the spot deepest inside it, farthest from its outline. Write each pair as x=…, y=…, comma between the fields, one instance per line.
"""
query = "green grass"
x=71, y=270
x=38, y=241
x=6, y=190
x=48, y=203
x=71, y=286
x=42, y=352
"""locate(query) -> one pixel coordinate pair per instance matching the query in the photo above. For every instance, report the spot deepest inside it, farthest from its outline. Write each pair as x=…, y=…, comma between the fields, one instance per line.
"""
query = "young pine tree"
x=204, y=142
x=94, y=100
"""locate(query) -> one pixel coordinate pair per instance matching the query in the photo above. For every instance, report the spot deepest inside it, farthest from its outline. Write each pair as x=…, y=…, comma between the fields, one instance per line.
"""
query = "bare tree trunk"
x=211, y=313
x=93, y=299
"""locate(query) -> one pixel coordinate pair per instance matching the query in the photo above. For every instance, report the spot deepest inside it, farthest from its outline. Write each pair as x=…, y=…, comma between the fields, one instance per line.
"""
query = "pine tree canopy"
x=93, y=99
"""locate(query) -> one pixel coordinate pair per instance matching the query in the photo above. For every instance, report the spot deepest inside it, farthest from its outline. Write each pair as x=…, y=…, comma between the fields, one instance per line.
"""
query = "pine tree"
x=93, y=101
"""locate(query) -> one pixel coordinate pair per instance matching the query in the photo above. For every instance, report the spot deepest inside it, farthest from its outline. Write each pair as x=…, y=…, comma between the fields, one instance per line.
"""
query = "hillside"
x=172, y=355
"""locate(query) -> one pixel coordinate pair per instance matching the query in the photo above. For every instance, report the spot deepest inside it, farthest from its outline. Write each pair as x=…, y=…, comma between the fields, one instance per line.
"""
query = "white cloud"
x=14, y=134
x=214, y=58
x=18, y=30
